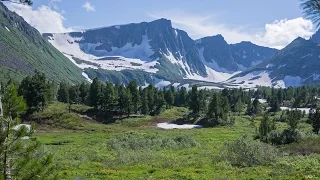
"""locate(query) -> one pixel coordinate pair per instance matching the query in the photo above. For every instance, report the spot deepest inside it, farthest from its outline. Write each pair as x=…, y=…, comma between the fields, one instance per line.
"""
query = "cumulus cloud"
x=88, y=7
x=44, y=19
x=277, y=34
x=282, y=32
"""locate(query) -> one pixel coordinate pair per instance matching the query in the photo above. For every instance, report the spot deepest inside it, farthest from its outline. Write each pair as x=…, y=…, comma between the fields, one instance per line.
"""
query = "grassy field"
x=133, y=148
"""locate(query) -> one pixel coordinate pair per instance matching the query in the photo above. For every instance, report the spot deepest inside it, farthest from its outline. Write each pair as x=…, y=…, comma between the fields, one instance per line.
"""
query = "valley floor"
x=134, y=148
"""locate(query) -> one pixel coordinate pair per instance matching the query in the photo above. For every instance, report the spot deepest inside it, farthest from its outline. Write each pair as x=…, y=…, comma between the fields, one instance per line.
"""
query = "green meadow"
x=134, y=148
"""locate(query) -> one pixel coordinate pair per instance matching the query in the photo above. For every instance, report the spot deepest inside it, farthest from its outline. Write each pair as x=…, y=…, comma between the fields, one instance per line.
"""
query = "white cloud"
x=278, y=34
x=282, y=32
x=88, y=7
x=44, y=19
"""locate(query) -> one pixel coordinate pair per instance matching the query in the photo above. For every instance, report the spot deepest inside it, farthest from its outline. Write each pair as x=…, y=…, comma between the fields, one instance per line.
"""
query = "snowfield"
x=175, y=126
x=132, y=57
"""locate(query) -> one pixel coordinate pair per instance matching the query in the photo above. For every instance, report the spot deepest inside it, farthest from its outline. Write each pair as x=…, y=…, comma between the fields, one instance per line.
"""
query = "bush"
x=247, y=152
x=136, y=141
x=285, y=137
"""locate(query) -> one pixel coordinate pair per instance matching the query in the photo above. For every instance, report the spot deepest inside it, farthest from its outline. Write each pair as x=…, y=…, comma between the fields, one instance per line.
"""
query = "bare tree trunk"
x=7, y=168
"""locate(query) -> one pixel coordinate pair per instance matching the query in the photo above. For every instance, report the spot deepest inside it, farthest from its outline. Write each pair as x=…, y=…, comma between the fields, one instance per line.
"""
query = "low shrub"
x=247, y=152
x=285, y=137
x=136, y=141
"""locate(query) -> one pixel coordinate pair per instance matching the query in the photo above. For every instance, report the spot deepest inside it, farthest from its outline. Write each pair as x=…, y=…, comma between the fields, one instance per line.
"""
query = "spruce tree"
x=135, y=96
x=293, y=119
x=84, y=89
x=266, y=126
x=63, y=93
x=144, y=102
x=94, y=93
x=20, y=157
x=314, y=118
x=74, y=96
x=194, y=103
x=169, y=97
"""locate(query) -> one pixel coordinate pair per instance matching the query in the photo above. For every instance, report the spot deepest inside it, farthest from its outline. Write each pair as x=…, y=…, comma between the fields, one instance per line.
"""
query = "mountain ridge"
x=160, y=49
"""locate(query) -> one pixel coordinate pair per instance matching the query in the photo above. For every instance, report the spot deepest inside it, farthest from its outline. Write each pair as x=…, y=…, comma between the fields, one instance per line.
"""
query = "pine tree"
x=63, y=93
x=266, y=126
x=144, y=102
x=256, y=108
x=94, y=93
x=293, y=119
x=249, y=107
x=182, y=97
x=194, y=103
x=74, y=96
x=109, y=97
x=275, y=106
x=20, y=157
x=84, y=89
x=169, y=97
x=238, y=106
x=135, y=96
x=35, y=91
x=214, y=108
x=160, y=102
x=314, y=118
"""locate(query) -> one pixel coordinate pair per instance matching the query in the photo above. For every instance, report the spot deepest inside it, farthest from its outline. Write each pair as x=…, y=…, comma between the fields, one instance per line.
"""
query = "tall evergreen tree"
x=94, y=93
x=135, y=96
x=63, y=93
x=194, y=103
x=20, y=158
x=84, y=89
x=293, y=119
x=266, y=126
x=74, y=96
x=144, y=102
x=169, y=97
x=314, y=118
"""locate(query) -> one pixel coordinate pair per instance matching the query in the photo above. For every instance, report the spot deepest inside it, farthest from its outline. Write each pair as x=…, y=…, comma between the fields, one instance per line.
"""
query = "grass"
x=135, y=149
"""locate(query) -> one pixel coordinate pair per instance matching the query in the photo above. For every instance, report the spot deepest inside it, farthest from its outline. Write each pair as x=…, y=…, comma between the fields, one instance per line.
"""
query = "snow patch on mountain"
x=253, y=79
x=118, y=59
x=133, y=51
x=86, y=76
x=213, y=65
x=160, y=83
x=7, y=28
x=291, y=81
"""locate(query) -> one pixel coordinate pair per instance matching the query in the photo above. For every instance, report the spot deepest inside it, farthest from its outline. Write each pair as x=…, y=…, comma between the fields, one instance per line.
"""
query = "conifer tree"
x=314, y=118
x=144, y=102
x=169, y=97
x=94, y=93
x=266, y=126
x=135, y=96
x=293, y=119
x=74, y=96
x=20, y=157
x=84, y=89
x=109, y=97
x=194, y=103
x=63, y=93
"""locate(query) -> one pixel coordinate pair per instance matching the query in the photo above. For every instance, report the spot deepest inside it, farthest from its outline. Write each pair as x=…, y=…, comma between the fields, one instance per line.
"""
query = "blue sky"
x=235, y=13
x=271, y=23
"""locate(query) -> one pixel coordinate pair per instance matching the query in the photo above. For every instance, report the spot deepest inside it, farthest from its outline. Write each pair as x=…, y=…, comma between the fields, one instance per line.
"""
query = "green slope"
x=23, y=49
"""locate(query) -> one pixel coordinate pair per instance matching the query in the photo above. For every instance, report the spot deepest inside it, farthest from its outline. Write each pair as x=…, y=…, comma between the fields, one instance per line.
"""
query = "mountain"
x=153, y=51
x=220, y=56
x=295, y=65
x=23, y=49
